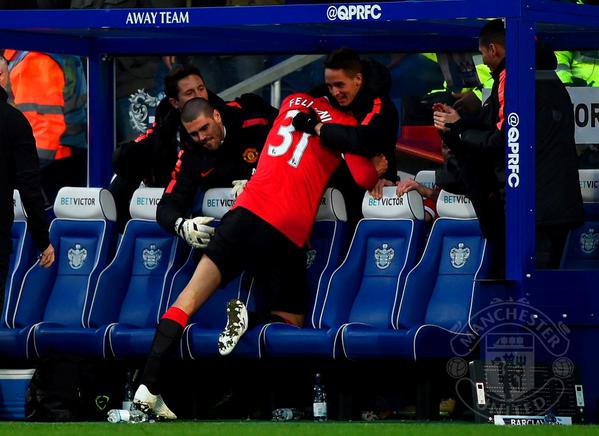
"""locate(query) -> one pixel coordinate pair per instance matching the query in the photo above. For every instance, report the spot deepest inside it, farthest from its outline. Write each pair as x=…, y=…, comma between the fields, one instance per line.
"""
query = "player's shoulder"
x=297, y=100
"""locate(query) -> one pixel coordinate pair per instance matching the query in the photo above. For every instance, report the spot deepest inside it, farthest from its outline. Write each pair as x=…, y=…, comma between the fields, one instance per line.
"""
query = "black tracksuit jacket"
x=19, y=169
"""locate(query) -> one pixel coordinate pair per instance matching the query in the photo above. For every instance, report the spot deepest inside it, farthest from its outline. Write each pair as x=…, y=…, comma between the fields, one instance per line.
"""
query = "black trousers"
x=550, y=245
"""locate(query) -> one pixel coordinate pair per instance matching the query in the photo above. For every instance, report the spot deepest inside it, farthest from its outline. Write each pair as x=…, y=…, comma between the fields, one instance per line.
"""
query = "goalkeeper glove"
x=195, y=231
x=238, y=187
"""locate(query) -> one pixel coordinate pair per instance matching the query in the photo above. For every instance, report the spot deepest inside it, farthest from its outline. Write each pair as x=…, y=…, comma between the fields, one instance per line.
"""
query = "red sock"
x=177, y=315
x=285, y=320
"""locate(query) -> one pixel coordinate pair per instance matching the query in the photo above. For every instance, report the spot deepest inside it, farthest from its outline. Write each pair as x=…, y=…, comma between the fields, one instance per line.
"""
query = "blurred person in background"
x=51, y=91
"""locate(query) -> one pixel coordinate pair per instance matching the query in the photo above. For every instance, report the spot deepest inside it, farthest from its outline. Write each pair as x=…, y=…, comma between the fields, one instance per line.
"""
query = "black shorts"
x=244, y=241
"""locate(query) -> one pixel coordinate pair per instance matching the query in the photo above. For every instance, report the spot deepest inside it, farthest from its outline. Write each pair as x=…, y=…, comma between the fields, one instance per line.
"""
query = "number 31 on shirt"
x=287, y=133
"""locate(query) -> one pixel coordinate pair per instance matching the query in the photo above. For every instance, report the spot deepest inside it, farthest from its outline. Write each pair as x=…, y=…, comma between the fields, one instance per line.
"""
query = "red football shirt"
x=294, y=169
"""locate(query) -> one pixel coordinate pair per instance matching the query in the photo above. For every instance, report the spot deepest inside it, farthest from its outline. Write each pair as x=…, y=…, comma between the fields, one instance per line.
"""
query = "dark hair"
x=194, y=108
x=492, y=32
x=345, y=59
x=179, y=72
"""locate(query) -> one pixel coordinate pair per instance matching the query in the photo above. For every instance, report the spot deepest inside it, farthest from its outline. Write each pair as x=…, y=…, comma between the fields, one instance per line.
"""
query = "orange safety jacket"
x=36, y=86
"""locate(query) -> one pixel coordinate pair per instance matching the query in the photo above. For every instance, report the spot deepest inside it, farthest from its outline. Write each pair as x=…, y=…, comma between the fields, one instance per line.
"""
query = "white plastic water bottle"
x=121, y=415
x=319, y=405
x=287, y=414
x=128, y=394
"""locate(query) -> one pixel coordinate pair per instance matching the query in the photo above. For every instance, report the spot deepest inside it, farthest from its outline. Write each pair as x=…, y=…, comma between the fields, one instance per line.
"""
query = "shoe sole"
x=236, y=315
x=143, y=407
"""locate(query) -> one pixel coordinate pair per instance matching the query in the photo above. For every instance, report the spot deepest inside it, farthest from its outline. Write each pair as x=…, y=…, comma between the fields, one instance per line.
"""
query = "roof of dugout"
x=433, y=25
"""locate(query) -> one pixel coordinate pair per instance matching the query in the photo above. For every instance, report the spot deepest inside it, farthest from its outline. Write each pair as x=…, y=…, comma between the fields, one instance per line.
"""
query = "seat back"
x=21, y=259
x=440, y=289
x=365, y=288
x=428, y=178
x=131, y=289
x=216, y=203
x=82, y=235
x=581, y=250
x=327, y=245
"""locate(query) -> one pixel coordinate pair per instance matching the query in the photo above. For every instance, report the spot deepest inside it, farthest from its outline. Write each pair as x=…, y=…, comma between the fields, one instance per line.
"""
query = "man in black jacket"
x=152, y=157
x=19, y=169
x=479, y=148
x=360, y=87
x=225, y=150
x=478, y=145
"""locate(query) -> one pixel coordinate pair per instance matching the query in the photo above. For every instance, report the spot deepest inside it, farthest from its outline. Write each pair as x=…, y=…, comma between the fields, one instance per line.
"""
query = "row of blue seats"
x=581, y=250
x=381, y=299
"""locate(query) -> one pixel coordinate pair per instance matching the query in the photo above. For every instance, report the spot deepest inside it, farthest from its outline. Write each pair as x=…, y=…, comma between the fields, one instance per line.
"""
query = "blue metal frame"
x=430, y=25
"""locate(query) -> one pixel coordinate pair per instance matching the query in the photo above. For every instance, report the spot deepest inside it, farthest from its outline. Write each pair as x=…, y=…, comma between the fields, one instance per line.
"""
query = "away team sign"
x=348, y=12
x=158, y=17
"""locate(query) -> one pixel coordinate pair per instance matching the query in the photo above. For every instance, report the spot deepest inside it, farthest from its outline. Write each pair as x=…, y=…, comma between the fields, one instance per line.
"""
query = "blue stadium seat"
x=130, y=292
x=427, y=178
x=82, y=236
x=365, y=287
x=581, y=250
x=438, y=294
x=200, y=337
x=21, y=259
x=328, y=244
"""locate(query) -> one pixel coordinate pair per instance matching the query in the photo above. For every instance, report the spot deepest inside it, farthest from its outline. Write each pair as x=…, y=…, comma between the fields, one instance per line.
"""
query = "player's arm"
x=132, y=160
x=178, y=195
x=28, y=179
x=364, y=171
x=366, y=139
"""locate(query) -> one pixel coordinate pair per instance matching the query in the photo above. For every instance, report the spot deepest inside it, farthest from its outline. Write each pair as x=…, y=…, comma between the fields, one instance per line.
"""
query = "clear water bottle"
x=287, y=414
x=128, y=393
x=121, y=415
x=319, y=404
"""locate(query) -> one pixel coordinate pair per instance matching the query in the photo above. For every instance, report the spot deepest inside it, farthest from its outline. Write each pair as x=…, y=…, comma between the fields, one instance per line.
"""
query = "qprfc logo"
x=354, y=12
x=513, y=157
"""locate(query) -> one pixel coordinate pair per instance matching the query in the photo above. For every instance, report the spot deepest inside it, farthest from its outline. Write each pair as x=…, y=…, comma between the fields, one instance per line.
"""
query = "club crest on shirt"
x=310, y=258
x=589, y=241
x=151, y=256
x=250, y=155
x=383, y=256
x=77, y=256
x=459, y=255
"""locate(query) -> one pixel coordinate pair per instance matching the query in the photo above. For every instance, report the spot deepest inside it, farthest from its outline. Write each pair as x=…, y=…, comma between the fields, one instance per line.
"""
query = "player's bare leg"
x=205, y=280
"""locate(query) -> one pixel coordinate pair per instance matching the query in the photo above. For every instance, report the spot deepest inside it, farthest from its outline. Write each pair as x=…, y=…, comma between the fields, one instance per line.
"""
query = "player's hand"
x=380, y=164
x=467, y=102
x=377, y=191
x=448, y=116
x=406, y=186
x=47, y=257
x=195, y=231
x=306, y=122
x=238, y=187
